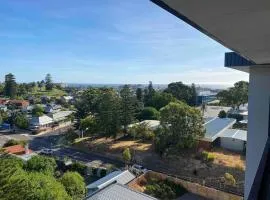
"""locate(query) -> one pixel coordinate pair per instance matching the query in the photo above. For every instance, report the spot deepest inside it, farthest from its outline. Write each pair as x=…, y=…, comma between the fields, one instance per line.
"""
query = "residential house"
x=40, y=122
x=67, y=99
x=17, y=150
x=118, y=192
x=60, y=116
x=121, y=177
x=52, y=108
x=20, y=104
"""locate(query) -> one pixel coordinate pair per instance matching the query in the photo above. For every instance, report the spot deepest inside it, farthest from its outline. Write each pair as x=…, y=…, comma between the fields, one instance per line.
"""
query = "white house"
x=40, y=122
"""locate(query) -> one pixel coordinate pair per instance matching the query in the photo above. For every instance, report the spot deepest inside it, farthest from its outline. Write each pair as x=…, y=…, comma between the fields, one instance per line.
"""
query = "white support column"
x=258, y=117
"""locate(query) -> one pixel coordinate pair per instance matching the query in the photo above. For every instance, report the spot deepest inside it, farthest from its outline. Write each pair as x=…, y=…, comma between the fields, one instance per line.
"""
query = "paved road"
x=85, y=157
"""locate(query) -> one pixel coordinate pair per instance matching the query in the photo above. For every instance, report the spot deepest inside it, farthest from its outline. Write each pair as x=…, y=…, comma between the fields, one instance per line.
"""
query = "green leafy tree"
x=127, y=107
x=41, y=164
x=38, y=110
x=74, y=185
x=141, y=131
x=161, y=99
x=149, y=113
x=126, y=155
x=182, y=92
x=48, y=82
x=234, y=96
x=21, y=121
x=10, y=86
x=89, y=125
x=182, y=124
x=16, y=183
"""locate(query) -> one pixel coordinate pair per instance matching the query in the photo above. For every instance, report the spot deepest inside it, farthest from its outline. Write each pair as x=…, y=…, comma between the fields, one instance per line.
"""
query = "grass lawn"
x=52, y=93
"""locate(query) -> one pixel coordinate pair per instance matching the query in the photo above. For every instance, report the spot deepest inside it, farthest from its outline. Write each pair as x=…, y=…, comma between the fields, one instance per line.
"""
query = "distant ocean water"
x=158, y=86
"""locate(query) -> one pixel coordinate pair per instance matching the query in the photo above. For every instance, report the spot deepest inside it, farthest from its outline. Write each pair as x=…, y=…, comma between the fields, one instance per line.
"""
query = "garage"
x=234, y=140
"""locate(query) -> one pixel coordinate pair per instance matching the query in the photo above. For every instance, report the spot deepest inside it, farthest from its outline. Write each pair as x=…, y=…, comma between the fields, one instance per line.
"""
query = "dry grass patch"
x=229, y=159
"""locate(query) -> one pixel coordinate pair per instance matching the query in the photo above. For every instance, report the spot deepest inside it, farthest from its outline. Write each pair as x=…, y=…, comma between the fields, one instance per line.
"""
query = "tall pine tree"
x=10, y=88
x=108, y=116
x=127, y=107
x=48, y=82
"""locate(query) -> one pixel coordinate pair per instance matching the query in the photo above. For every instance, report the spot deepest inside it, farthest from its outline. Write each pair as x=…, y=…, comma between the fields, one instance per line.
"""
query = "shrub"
x=149, y=113
x=229, y=179
x=94, y=171
x=239, y=167
x=13, y=142
x=222, y=114
x=206, y=156
x=103, y=172
x=78, y=167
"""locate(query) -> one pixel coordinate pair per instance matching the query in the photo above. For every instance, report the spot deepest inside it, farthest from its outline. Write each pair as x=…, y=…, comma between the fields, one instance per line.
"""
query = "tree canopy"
x=48, y=82
x=234, y=96
x=149, y=113
x=182, y=126
x=41, y=164
x=74, y=185
x=16, y=183
x=183, y=92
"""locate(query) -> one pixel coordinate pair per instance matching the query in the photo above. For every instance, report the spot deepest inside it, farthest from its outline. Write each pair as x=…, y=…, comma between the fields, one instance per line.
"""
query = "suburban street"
x=54, y=140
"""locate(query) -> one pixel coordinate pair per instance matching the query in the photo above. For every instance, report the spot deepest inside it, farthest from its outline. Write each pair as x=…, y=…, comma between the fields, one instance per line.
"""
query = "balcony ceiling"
x=240, y=25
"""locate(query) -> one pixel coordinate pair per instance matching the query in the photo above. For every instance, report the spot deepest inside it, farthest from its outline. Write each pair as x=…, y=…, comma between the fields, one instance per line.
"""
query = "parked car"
x=138, y=169
x=46, y=151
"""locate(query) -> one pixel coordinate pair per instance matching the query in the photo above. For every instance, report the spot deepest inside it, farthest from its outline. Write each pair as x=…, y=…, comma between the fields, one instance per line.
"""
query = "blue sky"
x=105, y=41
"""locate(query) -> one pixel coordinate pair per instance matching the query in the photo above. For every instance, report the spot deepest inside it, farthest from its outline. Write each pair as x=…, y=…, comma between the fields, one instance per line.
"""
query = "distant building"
x=67, y=99
x=153, y=124
x=205, y=97
x=21, y=104
x=52, y=108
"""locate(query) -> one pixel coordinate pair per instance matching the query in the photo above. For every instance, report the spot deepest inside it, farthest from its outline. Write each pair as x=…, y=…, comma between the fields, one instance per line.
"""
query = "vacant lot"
x=185, y=163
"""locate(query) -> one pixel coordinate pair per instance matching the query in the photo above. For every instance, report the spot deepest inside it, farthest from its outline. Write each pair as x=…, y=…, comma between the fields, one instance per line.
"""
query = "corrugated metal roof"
x=122, y=177
x=40, y=121
x=119, y=192
x=235, y=134
x=215, y=126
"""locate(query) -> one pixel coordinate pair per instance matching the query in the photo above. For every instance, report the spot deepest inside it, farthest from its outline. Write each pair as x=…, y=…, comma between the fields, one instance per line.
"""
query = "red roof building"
x=17, y=150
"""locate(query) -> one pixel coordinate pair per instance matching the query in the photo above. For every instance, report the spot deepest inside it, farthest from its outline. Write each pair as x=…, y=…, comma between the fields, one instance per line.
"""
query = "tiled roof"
x=119, y=192
x=16, y=149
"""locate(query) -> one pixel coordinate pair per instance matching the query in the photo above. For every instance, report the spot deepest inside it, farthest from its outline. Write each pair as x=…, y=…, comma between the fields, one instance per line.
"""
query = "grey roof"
x=215, y=126
x=235, y=134
x=122, y=177
x=40, y=121
x=119, y=192
x=61, y=115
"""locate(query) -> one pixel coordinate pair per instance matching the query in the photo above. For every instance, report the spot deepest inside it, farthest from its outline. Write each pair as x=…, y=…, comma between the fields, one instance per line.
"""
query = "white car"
x=138, y=169
x=46, y=151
